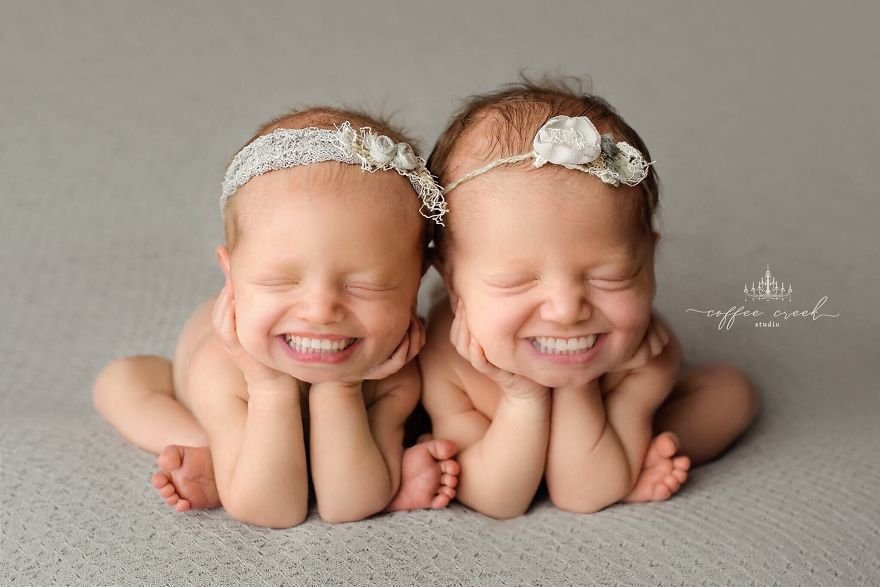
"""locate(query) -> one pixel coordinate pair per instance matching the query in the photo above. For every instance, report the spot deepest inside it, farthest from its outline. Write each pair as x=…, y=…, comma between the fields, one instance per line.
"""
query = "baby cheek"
x=494, y=324
x=630, y=315
x=387, y=326
x=253, y=323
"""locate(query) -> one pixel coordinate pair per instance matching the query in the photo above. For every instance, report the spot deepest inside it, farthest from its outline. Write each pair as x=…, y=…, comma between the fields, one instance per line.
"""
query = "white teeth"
x=303, y=344
x=548, y=345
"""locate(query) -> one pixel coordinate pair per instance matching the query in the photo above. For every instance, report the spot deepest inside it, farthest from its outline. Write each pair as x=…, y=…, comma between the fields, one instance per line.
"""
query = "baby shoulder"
x=212, y=373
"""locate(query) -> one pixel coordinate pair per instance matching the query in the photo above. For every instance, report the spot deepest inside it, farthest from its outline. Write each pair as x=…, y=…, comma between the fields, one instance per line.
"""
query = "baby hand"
x=512, y=385
x=656, y=339
x=409, y=347
x=223, y=318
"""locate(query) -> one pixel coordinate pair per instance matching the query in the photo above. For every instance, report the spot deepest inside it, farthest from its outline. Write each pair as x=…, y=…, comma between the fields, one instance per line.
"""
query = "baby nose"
x=567, y=306
x=319, y=305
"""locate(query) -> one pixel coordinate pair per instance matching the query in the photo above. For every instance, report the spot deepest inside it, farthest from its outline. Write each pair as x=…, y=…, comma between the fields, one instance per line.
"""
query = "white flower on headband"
x=405, y=157
x=567, y=141
x=284, y=148
x=382, y=149
x=574, y=143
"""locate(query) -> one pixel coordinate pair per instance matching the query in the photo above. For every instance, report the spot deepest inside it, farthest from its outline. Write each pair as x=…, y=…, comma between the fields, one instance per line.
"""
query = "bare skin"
x=549, y=362
x=185, y=479
x=429, y=475
x=689, y=429
x=142, y=395
x=320, y=288
x=663, y=473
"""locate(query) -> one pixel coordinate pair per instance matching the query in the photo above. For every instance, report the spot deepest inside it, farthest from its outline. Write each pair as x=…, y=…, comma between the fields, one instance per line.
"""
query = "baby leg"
x=136, y=395
x=709, y=407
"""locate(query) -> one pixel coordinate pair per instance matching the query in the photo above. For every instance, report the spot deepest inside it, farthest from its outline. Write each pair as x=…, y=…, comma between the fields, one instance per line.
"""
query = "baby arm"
x=634, y=400
x=502, y=460
x=597, y=447
x=356, y=451
x=256, y=445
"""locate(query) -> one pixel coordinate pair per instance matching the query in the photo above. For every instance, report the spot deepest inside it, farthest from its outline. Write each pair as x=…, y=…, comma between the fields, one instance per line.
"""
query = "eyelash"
x=367, y=290
x=279, y=283
x=610, y=284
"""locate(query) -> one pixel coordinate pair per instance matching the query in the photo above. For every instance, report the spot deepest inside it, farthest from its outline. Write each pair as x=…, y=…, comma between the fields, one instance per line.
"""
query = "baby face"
x=326, y=271
x=556, y=283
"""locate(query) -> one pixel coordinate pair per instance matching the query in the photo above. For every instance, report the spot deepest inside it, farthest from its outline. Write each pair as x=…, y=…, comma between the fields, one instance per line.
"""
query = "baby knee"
x=118, y=375
x=107, y=380
x=740, y=394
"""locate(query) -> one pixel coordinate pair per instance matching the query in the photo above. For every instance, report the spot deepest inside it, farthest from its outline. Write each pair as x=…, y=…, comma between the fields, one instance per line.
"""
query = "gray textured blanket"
x=116, y=120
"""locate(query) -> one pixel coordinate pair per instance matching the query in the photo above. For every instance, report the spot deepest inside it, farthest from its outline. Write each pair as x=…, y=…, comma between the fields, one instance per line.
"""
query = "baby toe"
x=440, y=501
x=672, y=483
x=680, y=475
x=450, y=466
x=683, y=463
x=667, y=444
x=167, y=490
x=160, y=480
x=447, y=491
x=170, y=458
x=441, y=449
x=449, y=480
x=183, y=505
x=662, y=492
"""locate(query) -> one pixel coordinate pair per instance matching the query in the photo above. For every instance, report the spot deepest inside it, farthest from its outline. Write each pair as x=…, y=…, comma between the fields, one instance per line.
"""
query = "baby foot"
x=186, y=480
x=662, y=475
x=428, y=476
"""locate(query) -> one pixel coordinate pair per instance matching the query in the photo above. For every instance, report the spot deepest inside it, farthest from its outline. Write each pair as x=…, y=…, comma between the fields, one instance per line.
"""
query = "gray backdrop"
x=115, y=123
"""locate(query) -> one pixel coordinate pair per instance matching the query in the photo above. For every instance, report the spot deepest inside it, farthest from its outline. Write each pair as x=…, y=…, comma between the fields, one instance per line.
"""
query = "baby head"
x=554, y=263
x=324, y=259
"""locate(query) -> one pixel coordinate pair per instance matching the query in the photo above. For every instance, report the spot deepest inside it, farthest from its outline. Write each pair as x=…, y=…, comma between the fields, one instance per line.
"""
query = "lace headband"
x=285, y=148
x=575, y=143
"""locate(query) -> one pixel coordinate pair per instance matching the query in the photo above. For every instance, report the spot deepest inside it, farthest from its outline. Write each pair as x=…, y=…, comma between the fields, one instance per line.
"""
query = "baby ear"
x=223, y=260
x=444, y=268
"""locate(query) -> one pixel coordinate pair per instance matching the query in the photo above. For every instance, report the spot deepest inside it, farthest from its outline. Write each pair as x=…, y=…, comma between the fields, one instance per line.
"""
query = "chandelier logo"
x=768, y=289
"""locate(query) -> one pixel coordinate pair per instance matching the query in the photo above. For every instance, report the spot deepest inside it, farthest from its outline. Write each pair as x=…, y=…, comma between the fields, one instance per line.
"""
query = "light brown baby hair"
x=318, y=117
x=511, y=116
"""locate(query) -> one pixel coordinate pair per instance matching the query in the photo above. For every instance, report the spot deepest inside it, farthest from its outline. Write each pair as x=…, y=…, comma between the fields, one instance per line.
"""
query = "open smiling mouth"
x=563, y=346
x=319, y=350
x=302, y=344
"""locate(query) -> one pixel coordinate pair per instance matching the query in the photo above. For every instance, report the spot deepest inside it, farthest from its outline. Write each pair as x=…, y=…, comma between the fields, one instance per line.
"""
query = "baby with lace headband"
x=547, y=362
x=300, y=372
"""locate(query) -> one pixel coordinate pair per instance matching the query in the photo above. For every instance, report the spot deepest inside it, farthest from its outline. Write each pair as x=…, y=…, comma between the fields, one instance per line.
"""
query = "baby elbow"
x=507, y=514
x=336, y=517
x=275, y=521
x=342, y=515
x=577, y=504
x=290, y=517
x=496, y=510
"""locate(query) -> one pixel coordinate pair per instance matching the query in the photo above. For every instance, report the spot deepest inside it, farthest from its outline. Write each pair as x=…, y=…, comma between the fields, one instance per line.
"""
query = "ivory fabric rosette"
x=405, y=158
x=382, y=149
x=567, y=141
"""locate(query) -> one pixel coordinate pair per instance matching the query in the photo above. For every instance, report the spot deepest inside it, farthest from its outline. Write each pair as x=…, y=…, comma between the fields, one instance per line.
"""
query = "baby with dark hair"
x=301, y=370
x=548, y=361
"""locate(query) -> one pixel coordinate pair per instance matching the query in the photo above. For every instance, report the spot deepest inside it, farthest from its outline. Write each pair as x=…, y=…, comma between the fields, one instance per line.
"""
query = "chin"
x=554, y=380
x=313, y=376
